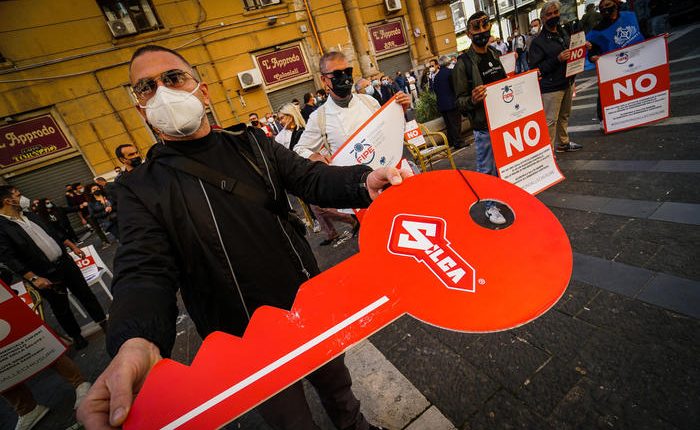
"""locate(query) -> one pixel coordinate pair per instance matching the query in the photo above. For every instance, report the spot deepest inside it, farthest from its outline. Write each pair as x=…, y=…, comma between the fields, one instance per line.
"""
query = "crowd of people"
x=185, y=225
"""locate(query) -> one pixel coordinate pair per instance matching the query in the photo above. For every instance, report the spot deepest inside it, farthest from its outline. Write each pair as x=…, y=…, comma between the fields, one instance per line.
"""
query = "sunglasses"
x=339, y=74
x=484, y=24
x=146, y=87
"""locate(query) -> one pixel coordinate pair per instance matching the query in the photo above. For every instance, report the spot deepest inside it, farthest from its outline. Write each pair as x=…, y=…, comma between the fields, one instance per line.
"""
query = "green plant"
x=426, y=107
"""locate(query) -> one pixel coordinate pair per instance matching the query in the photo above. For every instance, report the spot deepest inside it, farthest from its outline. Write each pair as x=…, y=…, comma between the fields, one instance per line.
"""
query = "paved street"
x=619, y=350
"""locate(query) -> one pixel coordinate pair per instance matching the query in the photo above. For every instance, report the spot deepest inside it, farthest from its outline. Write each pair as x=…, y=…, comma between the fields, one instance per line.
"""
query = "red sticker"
x=421, y=253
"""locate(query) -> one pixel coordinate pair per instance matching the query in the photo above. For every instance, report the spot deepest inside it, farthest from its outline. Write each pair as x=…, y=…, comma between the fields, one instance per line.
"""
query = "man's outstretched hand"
x=109, y=400
x=379, y=179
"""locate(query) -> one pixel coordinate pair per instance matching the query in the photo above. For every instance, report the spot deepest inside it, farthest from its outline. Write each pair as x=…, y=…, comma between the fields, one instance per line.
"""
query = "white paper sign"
x=378, y=142
x=577, y=61
x=508, y=62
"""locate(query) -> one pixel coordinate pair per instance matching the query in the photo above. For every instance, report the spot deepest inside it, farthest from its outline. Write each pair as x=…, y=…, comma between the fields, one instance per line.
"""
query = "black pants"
x=67, y=275
x=289, y=410
x=453, y=121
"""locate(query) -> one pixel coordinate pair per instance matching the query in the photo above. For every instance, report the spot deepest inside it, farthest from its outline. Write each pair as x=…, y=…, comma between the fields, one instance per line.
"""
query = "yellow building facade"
x=64, y=67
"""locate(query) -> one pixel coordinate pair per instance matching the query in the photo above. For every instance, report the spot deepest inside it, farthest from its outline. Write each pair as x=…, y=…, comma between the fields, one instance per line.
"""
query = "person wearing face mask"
x=388, y=89
x=378, y=93
x=615, y=30
x=364, y=86
x=227, y=250
x=478, y=66
x=259, y=123
x=412, y=87
x=520, y=48
x=344, y=112
x=79, y=203
x=37, y=252
x=57, y=218
x=432, y=71
x=103, y=211
x=549, y=53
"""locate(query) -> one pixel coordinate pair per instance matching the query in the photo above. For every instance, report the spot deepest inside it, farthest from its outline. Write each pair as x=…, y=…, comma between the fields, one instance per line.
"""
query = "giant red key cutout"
x=420, y=253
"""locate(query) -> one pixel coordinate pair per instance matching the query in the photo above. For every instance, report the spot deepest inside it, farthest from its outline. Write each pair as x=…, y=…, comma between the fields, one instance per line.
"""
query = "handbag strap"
x=226, y=183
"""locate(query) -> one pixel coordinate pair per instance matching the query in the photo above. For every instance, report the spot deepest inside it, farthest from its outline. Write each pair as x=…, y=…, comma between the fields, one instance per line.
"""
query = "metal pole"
x=517, y=24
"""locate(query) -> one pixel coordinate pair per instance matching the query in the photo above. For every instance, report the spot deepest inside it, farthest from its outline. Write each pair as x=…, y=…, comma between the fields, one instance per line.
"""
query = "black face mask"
x=553, y=21
x=136, y=161
x=607, y=11
x=97, y=193
x=255, y=123
x=481, y=39
x=342, y=85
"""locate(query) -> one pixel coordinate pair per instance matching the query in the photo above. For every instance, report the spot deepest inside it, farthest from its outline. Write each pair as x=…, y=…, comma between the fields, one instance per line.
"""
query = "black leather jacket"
x=543, y=55
x=171, y=240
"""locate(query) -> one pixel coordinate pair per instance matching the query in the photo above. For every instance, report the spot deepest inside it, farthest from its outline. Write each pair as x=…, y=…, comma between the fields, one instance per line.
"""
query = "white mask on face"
x=369, y=90
x=175, y=112
x=24, y=203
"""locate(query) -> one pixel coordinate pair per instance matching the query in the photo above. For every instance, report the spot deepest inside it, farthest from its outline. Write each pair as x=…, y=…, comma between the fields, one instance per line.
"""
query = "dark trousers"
x=289, y=410
x=67, y=275
x=453, y=121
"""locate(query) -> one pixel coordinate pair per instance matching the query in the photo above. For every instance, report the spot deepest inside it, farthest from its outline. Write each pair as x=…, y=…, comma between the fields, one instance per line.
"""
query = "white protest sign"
x=508, y=62
x=634, y=85
x=519, y=136
x=577, y=61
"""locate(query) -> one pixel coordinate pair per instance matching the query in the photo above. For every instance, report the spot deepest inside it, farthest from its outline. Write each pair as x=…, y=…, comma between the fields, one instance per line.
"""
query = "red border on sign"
x=597, y=69
x=546, y=129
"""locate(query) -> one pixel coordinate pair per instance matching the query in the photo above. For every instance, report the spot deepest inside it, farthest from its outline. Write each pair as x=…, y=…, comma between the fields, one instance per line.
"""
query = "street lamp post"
x=498, y=19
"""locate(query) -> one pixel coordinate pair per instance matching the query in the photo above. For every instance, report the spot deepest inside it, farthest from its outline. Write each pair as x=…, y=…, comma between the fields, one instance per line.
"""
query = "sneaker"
x=80, y=393
x=27, y=421
x=317, y=226
x=342, y=239
x=494, y=215
x=355, y=228
x=569, y=147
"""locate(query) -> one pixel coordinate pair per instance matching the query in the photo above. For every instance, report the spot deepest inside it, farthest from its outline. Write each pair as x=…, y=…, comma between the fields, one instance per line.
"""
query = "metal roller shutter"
x=397, y=63
x=286, y=95
x=50, y=181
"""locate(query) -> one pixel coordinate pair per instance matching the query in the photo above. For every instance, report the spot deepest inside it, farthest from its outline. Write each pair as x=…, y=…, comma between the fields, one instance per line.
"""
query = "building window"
x=257, y=4
x=128, y=17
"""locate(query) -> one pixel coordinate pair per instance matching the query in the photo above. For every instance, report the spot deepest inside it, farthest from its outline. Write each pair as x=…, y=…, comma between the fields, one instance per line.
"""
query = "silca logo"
x=622, y=58
x=424, y=238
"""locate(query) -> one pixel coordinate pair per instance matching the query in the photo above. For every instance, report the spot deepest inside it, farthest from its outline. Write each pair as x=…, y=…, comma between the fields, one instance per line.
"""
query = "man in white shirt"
x=332, y=124
x=36, y=252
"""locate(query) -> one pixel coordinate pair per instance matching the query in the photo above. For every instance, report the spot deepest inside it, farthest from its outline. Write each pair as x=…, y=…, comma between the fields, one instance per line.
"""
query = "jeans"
x=485, y=162
x=521, y=63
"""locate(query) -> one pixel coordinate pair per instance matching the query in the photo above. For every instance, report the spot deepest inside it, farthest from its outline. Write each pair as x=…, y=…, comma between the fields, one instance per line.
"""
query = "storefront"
x=38, y=156
x=390, y=46
x=286, y=74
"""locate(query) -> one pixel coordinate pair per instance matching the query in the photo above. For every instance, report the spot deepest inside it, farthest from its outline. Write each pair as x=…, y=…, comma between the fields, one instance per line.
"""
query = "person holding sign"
x=227, y=245
x=479, y=66
x=35, y=251
x=615, y=30
x=550, y=52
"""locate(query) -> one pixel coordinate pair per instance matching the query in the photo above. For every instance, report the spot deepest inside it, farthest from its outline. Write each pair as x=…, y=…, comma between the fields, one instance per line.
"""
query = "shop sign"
x=30, y=140
x=282, y=65
x=387, y=37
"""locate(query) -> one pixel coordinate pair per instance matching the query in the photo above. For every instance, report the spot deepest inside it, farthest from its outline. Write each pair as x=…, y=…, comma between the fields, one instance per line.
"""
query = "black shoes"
x=79, y=343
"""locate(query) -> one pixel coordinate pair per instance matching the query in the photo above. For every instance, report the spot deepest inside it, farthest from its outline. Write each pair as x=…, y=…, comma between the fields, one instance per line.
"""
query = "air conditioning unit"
x=269, y=2
x=250, y=78
x=122, y=27
x=393, y=5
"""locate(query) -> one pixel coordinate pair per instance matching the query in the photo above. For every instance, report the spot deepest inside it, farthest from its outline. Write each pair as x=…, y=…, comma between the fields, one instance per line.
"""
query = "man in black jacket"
x=34, y=250
x=549, y=52
x=225, y=252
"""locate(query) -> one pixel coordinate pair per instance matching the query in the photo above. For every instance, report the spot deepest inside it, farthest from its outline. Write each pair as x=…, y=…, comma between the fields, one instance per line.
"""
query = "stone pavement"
x=619, y=350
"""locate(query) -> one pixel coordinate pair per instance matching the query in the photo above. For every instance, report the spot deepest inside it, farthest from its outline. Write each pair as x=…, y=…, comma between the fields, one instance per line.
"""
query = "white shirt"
x=341, y=123
x=41, y=238
x=284, y=137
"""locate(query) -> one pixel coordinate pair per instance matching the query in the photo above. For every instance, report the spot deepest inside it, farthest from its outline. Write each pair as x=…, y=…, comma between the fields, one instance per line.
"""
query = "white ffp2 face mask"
x=175, y=112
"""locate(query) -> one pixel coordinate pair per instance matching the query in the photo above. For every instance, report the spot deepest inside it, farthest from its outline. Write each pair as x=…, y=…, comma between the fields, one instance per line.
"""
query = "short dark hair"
x=307, y=97
x=475, y=16
x=155, y=48
x=253, y=113
x=118, y=151
x=5, y=192
x=321, y=92
x=100, y=178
